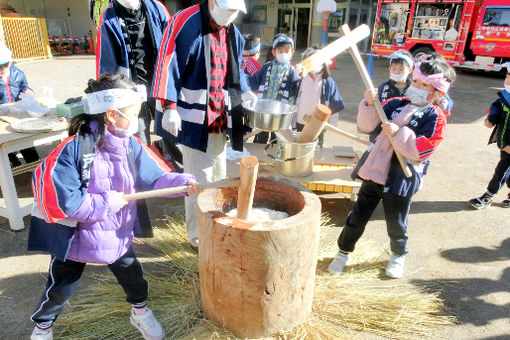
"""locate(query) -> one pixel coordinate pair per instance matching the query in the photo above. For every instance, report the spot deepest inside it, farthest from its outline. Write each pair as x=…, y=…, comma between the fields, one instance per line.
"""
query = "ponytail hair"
x=87, y=123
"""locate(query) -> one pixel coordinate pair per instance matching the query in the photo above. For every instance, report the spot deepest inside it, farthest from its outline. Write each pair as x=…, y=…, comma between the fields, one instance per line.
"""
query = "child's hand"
x=370, y=96
x=192, y=188
x=507, y=149
x=390, y=129
x=487, y=123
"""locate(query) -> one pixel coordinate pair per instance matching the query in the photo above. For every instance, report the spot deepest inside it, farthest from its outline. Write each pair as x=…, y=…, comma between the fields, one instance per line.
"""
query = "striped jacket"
x=183, y=73
x=60, y=187
x=428, y=127
x=111, y=50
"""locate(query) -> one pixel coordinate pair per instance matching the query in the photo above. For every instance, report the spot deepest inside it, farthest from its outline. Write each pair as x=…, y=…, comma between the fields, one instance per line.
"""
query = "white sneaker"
x=40, y=334
x=147, y=324
x=395, y=268
x=336, y=267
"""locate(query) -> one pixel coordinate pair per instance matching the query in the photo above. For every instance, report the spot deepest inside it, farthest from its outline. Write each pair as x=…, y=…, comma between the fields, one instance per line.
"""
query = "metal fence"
x=26, y=37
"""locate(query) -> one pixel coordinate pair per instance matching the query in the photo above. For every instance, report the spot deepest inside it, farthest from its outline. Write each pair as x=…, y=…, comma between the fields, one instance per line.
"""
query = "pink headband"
x=437, y=80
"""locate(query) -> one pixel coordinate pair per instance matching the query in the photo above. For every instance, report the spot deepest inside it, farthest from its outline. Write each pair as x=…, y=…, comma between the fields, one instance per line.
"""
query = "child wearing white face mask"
x=401, y=65
x=80, y=215
x=498, y=117
x=417, y=126
x=317, y=87
x=277, y=79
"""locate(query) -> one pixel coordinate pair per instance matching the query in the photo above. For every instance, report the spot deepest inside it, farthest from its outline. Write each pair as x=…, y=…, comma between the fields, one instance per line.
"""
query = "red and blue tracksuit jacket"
x=60, y=184
x=428, y=126
x=183, y=73
x=17, y=83
x=111, y=51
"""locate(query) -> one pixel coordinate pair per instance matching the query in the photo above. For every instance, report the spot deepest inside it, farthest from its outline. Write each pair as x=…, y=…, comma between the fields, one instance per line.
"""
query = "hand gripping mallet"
x=356, y=56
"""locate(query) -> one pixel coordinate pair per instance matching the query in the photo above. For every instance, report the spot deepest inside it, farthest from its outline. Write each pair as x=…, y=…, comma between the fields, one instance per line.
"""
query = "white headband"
x=101, y=101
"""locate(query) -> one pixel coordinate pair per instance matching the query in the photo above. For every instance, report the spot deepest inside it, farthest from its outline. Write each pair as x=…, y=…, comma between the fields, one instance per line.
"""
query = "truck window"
x=497, y=16
x=391, y=27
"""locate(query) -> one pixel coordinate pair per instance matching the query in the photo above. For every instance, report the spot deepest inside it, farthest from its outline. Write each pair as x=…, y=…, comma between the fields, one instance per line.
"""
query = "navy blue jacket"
x=183, y=73
x=499, y=115
x=50, y=230
x=17, y=84
x=287, y=95
x=428, y=126
x=111, y=51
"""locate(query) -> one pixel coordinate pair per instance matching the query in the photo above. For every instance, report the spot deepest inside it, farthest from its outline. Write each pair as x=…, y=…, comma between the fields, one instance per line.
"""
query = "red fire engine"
x=472, y=33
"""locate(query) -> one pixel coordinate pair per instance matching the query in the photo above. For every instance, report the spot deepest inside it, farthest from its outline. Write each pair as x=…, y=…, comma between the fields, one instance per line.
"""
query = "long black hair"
x=81, y=123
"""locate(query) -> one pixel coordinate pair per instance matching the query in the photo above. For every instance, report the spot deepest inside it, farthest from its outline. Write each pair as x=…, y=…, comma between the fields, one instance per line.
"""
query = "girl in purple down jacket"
x=79, y=214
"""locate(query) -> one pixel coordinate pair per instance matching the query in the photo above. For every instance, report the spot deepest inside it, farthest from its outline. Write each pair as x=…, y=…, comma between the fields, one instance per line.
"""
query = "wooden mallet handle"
x=246, y=191
x=225, y=183
x=356, y=56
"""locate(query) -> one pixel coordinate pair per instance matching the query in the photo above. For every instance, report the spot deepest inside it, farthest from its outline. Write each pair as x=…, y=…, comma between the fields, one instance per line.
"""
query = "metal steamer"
x=292, y=159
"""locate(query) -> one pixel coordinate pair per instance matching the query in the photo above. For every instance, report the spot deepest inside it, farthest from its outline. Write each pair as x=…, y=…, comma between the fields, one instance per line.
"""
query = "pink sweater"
x=377, y=165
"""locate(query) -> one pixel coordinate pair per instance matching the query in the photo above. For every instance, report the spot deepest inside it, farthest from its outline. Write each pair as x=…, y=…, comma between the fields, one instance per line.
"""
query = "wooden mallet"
x=356, y=56
x=225, y=183
x=247, y=181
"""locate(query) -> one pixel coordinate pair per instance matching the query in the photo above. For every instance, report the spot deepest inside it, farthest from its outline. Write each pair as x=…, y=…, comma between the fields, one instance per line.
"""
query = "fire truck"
x=471, y=34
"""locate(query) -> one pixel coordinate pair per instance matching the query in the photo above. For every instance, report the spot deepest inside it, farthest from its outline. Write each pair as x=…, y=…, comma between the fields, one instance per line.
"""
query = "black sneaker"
x=481, y=202
x=506, y=202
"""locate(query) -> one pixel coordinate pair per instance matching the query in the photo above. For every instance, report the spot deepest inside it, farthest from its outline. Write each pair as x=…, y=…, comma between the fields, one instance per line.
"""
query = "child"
x=276, y=80
x=317, y=87
x=401, y=64
x=498, y=117
x=80, y=215
x=251, y=54
x=12, y=84
x=417, y=127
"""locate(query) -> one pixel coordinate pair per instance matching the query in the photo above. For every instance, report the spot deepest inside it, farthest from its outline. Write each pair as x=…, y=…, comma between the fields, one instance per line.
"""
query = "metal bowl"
x=270, y=115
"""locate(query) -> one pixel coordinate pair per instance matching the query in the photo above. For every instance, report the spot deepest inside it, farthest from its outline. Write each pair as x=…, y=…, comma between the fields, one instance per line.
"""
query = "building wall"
x=353, y=12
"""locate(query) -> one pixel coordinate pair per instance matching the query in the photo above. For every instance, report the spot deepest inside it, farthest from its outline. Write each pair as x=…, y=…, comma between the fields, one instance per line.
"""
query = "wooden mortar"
x=258, y=278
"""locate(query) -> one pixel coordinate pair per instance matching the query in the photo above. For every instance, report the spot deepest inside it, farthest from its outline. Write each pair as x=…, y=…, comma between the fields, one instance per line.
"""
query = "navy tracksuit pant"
x=396, y=210
x=63, y=278
x=501, y=174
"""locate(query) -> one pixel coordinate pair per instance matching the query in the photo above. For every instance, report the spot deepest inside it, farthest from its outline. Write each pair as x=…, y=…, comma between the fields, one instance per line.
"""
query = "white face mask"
x=418, y=96
x=132, y=127
x=507, y=88
x=223, y=17
x=398, y=77
x=283, y=57
x=130, y=4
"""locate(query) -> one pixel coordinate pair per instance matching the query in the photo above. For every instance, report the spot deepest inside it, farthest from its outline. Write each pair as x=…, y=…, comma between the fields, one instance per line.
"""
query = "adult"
x=128, y=38
x=199, y=88
x=13, y=83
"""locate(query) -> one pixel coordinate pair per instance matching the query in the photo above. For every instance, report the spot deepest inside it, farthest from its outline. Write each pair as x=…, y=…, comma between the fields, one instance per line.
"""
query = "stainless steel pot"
x=270, y=115
x=292, y=159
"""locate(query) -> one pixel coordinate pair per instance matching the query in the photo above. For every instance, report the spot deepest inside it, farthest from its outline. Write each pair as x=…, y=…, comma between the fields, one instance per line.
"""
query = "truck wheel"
x=421, y=51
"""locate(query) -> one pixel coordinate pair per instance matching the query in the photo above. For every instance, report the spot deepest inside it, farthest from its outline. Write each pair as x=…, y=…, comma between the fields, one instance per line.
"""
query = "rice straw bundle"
x=359, y=300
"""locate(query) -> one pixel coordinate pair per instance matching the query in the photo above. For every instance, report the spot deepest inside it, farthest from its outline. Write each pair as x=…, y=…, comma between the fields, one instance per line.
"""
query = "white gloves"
x=249, y=98
x=171, y=121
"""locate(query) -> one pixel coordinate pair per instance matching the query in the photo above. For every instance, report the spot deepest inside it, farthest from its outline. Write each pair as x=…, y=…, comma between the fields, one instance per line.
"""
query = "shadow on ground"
x=467, y=298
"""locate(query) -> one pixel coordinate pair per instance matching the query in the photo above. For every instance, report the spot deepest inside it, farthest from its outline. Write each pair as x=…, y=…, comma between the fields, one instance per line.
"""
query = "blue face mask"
x=132, y=127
